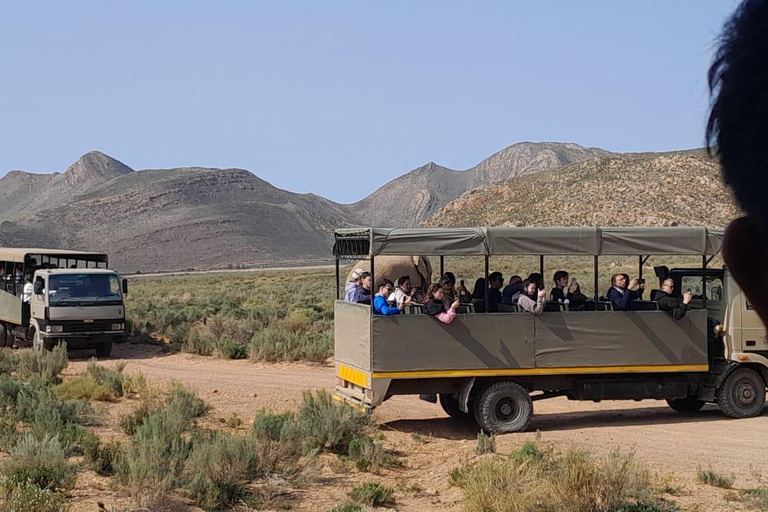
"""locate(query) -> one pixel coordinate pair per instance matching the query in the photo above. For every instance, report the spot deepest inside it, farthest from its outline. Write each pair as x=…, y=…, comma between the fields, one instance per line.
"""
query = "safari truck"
x=76, y=300
x=491, y=368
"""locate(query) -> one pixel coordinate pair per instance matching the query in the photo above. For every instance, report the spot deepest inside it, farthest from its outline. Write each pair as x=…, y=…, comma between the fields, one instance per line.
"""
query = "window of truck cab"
x=693, y=284
x=84, y=290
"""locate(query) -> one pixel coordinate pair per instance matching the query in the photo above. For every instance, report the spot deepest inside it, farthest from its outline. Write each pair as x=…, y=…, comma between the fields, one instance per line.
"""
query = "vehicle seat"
x=553, y=306
x=604, y=304
x=645, y=305
x=507, y=308
x=479, y=305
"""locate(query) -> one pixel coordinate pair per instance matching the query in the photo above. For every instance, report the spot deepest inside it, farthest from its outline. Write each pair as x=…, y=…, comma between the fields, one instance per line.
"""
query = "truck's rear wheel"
x=687, y=404
x=504, y=407
x=742, y=395
x=104, y=349
x=4, y=336
x=450, y=405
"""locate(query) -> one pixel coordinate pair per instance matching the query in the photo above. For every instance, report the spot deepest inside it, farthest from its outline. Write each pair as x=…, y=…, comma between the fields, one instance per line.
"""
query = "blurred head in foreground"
x=738, y=133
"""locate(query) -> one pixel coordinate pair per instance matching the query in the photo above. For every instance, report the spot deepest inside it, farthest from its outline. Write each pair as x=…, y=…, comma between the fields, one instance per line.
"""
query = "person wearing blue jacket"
x=623, y=292
x=380, y=305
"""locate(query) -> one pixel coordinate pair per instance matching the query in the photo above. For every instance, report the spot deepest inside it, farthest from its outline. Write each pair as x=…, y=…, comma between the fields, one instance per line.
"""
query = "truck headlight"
x=54, y=328
x=117, y=327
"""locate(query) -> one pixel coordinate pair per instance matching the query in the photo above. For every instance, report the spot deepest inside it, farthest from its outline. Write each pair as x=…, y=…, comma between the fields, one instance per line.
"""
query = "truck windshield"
x=84, y=290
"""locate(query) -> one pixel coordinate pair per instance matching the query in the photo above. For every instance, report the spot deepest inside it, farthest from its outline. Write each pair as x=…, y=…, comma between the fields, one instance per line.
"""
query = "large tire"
x=504, y=407
x=687, y=404
x=742, y=395
x=37, y=340
x=451, y=407
x=4, y=336
x=104, y=349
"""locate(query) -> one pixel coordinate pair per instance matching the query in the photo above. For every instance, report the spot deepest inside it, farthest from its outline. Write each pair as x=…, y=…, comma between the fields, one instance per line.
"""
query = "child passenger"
x=436, y=308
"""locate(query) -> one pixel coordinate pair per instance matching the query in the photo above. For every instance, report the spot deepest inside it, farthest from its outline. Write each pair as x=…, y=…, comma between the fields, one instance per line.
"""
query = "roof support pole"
x=442, y=266
x=338, y=286
x=487, y=284
x=704, y=282
x=640, y=267
x=373, y=280
x=596, y=270
x=541, y=268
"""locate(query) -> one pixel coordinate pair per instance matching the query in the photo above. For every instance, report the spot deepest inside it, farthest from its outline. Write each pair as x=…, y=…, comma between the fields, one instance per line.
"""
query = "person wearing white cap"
x=351, y=286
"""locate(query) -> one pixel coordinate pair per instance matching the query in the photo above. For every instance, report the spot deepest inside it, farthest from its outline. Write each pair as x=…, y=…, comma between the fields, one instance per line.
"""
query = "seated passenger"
x=675, y=306
x=577, y=301
x=561, y=282
x=436, y=307
x=362, y=294
x=538, y=279
x=495, y=281
x=349, y=288
x=620, y=295
x=402, y=291
x=380, y=306
x=464, y=296
x=18, y=273
x=418, y=296
x=448, y=282
x=512, y=290
x=635, y=285
x=478, y=292
x=532, y=300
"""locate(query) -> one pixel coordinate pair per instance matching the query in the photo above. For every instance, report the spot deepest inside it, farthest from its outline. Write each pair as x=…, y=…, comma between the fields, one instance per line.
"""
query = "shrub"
x=26, y=497
x=83, y=387
x=348, y=507
x=273, y=344
x=755, y=499
x=272, y=426
x=186, y=401
x=373, y=494
x=228, y=348
x=129, y=422
x=198, y=343
x=101, y=458
x=711, y=477
x=323, y=424
x=485, y=444
x=135, y=384
x=112, y=379
x=42, y=363
x=218, y=469
x=368, y=455
x=41, y=462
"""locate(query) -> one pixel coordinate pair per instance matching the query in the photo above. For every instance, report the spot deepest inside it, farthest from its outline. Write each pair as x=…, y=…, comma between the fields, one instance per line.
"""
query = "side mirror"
x=125, y=287
x=39, y=286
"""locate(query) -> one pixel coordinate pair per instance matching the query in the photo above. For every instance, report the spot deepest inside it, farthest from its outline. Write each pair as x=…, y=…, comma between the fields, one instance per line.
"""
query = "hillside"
x=646, y=189
x=420, y=193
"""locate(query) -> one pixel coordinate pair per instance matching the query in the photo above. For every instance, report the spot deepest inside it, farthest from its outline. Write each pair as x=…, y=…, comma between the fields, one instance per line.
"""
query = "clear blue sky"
x=337, y=98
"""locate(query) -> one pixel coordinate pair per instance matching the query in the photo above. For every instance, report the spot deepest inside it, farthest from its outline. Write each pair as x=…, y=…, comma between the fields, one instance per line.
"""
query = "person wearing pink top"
x=435, y=307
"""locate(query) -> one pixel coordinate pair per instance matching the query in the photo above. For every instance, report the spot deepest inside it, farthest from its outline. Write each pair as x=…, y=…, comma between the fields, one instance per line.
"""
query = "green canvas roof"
x=17, y=254
x=527, y=241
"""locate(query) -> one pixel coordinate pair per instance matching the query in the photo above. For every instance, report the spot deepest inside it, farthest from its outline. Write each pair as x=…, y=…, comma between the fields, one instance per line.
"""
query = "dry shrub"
x=713, y=478
x=111, y=378
x=41, y=462
x=27, y=497
x=323, y=424
x=373, y=494
x=83, y=387
x=368, y=455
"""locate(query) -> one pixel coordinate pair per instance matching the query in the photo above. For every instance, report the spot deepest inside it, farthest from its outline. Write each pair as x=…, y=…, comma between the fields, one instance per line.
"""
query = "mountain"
x=644, y=189
x=420, y=193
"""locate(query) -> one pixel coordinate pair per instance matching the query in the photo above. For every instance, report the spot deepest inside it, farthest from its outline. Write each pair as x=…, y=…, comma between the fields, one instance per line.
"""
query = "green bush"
x=348, y=507
x=323, y=424
x=28, y=497
x=101, y=458
x=274, y=344
x=485, y=444
x=83, y=387
x=112, y=378
x=200, y=344
x=41, y=462
x=129, y=422
x=186, y=401
x=373, y=494
x=711, y=477
x=219, y=468
x=368, y=455
x=42, y=363
x=228, y=348
x=272, y=426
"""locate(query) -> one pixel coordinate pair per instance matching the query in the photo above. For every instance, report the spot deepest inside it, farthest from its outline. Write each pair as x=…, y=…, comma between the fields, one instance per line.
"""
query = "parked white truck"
x=75, y=300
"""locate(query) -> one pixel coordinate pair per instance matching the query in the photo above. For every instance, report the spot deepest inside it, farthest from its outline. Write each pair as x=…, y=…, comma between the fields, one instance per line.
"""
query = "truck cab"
x=80, y=307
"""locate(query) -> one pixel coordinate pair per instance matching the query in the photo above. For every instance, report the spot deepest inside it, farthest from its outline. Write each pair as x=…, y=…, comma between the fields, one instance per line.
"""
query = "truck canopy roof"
x=17, y=254
x=356, y=242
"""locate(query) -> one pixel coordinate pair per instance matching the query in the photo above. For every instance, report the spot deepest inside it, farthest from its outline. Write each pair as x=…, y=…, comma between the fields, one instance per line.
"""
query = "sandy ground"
x=673, y=444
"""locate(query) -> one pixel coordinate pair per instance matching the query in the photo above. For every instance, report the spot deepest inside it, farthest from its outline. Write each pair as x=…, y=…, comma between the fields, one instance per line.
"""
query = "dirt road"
x=669, y=442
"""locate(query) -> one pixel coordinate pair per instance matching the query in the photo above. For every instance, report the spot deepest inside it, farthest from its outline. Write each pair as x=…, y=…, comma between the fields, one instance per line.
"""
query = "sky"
x=339, y=97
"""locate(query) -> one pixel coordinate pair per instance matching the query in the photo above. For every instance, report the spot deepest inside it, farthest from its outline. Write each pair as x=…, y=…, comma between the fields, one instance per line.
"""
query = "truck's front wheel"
x=37, y=340
x=742, y=395
x=504, y=407
x=5, y=336
x=104, y=349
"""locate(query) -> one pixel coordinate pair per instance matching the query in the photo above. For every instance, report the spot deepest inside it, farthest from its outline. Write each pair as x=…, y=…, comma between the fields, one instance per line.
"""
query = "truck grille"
x=80, y=326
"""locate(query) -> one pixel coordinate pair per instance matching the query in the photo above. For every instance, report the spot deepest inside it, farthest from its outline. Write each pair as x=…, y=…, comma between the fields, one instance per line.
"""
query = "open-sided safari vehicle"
x=491, y=367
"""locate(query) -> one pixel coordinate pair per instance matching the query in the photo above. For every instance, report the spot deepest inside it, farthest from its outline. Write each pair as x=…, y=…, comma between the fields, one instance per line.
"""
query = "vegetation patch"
x=485, y=443
x=373, y=494
x=712, y=477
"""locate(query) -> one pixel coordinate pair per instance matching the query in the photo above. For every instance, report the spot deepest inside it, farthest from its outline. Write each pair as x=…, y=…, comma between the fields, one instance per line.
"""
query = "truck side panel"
x=352, y=335
x=10, y=308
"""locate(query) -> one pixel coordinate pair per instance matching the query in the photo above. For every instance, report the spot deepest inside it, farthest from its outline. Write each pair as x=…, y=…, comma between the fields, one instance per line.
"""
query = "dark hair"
x=515, y=279
x=381, y=283
x=536, y=278
x=495, y=276
x=478, y=292
x=738, y=121
x=527, y=283
x=450, y=277
x=613, y=278
x=433, y=288
x=403, y=279
x=445, y=281
x=559, y=275
x=364, y=275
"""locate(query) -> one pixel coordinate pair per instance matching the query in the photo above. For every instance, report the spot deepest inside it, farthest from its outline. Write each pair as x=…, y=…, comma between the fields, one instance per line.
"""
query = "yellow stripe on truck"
x=354, y=376
x=661, y=368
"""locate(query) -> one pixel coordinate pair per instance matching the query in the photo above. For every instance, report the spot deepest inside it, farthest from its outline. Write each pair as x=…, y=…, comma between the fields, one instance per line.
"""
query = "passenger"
x=561, y=282
x=436, y=305
x=538, y=279
x=19, y=273
x=635, y=285
x=577, y=301
x=620, y=296
x=26, y=295
x=512, y=291
x=675, y=306
x=402, y=291
x=464, y=296
x=448, y=282
x=495, y=281
x=362, y=294
x=349, y=288
x=380, y=306
x=418, y=296
x=531, y=300
x=478, y=292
